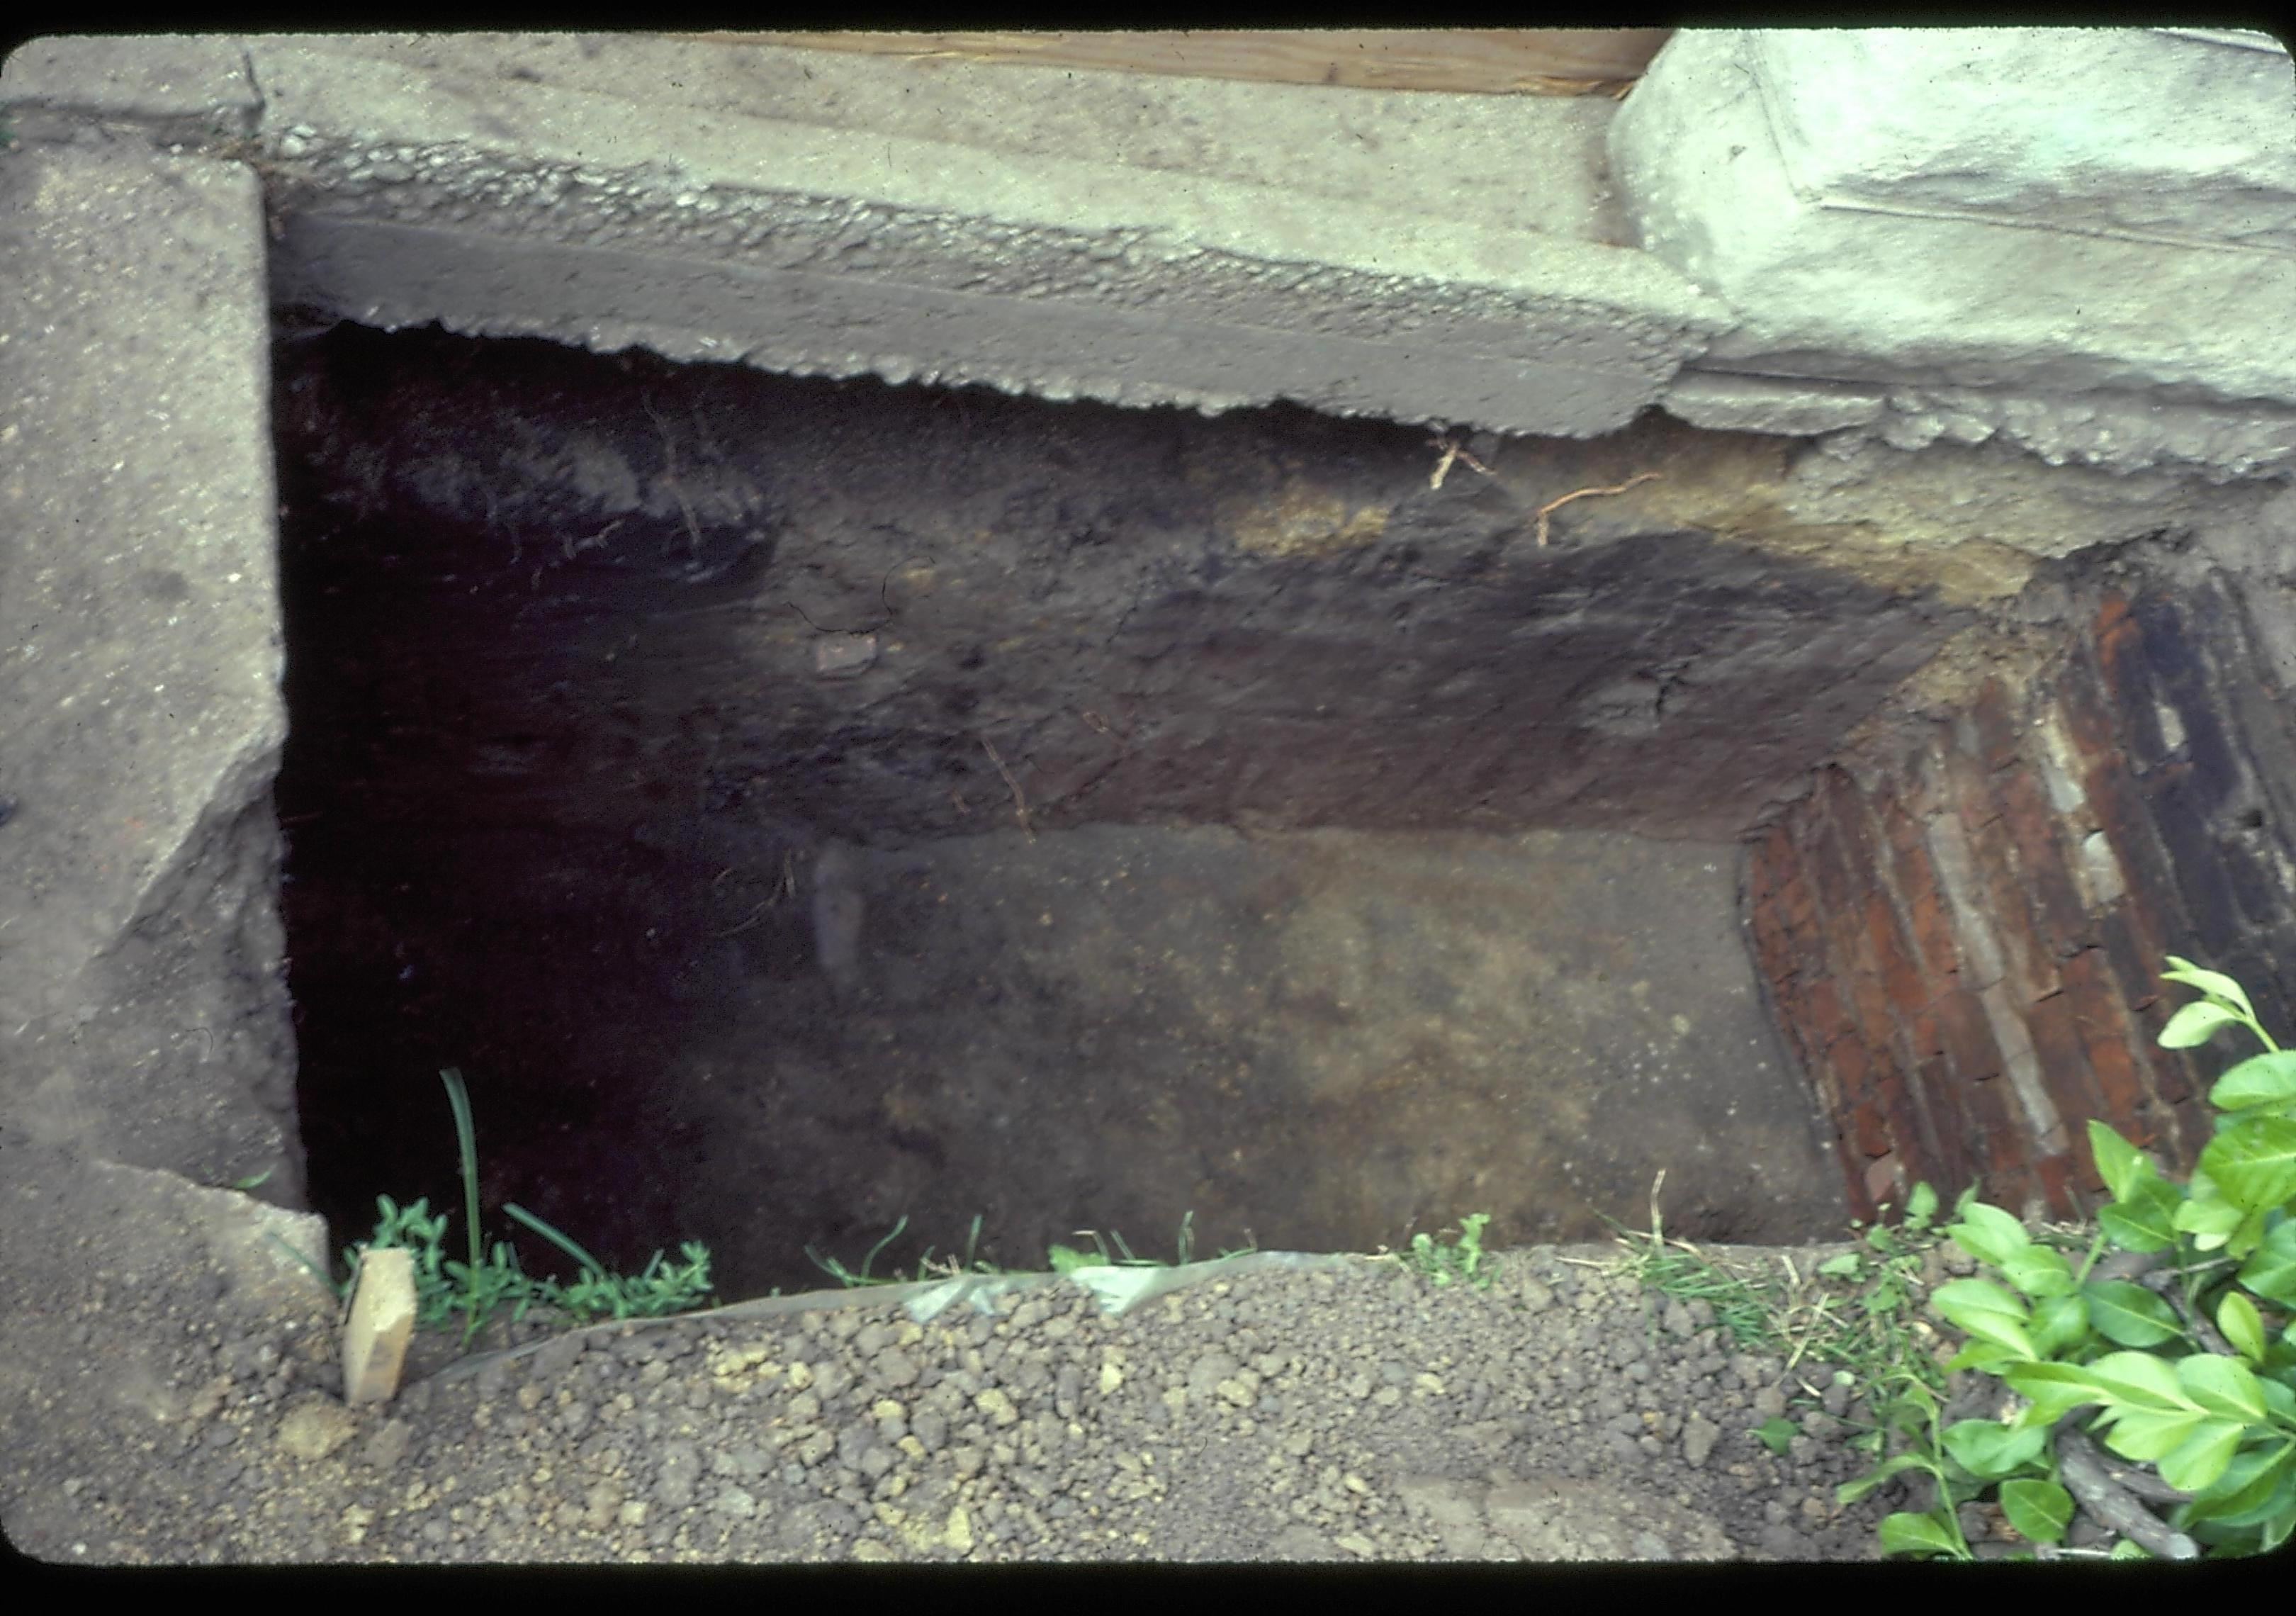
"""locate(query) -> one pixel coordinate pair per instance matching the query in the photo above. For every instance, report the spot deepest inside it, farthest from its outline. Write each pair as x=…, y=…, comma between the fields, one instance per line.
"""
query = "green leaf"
x=2060, y=1323
x=2270, y=1270
x=1982, y=1308
x=1910, y=1534
x=2039, y=1271
x=2253, y=1162
x=2246, y=1482
x=2056, y=1390
x=1776, y=1432
x=2128, y=1314
x=1850, y=1492
x=2211, y=982
x=2209, y=1221
x=2039, y=1510
x=2195, y=1023
x=2278, y=1396
x=1988, y=1234
x=2147, y=1433
x=2141, y=1381
x=2221, y=1385
x=1844, y=1267
x=2261, y=1079
x=2202, y=1457
x=1921, y=1206
x=2144, y=1220
x=1985, y=1356
x=1990, y=1451
x=2255, y=1486
x=2119, y=1163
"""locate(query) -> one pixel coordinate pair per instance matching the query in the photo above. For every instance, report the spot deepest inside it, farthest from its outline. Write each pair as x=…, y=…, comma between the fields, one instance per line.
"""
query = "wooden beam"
x=1476, y=61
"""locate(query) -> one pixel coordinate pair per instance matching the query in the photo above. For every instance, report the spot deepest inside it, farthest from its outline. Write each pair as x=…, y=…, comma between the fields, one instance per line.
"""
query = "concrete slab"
x=696, y=201
x=1998, y=221
x=142, y=1012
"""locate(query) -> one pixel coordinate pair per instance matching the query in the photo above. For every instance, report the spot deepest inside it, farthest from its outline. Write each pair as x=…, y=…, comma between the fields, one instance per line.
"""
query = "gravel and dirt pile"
x=1277, y=1407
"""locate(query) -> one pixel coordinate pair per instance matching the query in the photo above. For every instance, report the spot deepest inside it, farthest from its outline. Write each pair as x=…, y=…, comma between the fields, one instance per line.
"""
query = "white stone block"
x=2053, y=210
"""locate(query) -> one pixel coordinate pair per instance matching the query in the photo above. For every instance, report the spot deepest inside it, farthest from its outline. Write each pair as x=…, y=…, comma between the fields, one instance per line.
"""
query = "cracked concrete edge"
x=2118, y=431
x=2094, y=290
x=419, y=183
x=140, y=707
x=461, y=189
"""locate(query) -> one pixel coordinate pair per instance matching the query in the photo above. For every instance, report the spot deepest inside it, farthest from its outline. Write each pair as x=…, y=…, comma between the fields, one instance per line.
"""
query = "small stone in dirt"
x=314, y=1428
x=1699, y=1435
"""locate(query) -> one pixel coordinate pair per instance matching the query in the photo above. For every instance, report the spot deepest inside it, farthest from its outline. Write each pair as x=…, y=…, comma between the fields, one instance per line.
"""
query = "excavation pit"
x=798, y=806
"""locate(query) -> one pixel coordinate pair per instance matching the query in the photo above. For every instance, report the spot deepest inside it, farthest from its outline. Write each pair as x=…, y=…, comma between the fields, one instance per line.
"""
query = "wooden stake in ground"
x=382, y=1319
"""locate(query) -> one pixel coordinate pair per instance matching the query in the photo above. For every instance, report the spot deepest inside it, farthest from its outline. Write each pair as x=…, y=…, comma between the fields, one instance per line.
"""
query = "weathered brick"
x=1925, y=1036
x=1925, y=914
x=1898, y=828
x=1861, y=1204
x=2247, y=964
x=2056, y=1174
x=1996, y=729
x=1824, y=864
x=2063, y=1058
x=1901, y=979
x=1773, y=948
x=2035, y=834
x=1853, y=822
x=2026, y=957
x=2263, y=897
x=1885, y=1181
x=1968, y=1036
x=1787, y=1004
x=1822, y=1025
x=2195, y=1121
x=2182, y=674
x=1920, y=779
x=1998, y=1126
x=2200, y=876
x=2126, y=680
x=2005, y=1187
x=1968, y=790
x=1852, y=1072
x=2265, y=723
x=1917, y=1147
x=1876, y=1024
x=1797, y=904
x=1867, y=1129
x=1942, y=1109
x=2088, y=721
x=1768, y=858
x=2126, y=820
x=2106, y=1030
x=2171, y=656
x=2130, y=947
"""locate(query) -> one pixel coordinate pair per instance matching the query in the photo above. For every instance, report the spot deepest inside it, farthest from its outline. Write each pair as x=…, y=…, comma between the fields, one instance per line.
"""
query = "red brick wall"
x=1965, y=953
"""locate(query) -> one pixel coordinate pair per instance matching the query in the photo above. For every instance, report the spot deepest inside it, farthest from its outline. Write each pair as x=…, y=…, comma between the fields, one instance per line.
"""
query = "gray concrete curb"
x=500, y=186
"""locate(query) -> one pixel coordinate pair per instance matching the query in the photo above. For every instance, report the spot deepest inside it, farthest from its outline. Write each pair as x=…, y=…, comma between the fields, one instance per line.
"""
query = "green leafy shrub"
x=487, y=1281
x=2176, y=1348
x=1454, y=1258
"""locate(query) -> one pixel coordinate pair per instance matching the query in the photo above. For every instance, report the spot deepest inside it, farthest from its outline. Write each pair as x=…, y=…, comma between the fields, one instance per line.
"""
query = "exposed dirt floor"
x=1283, y=1408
